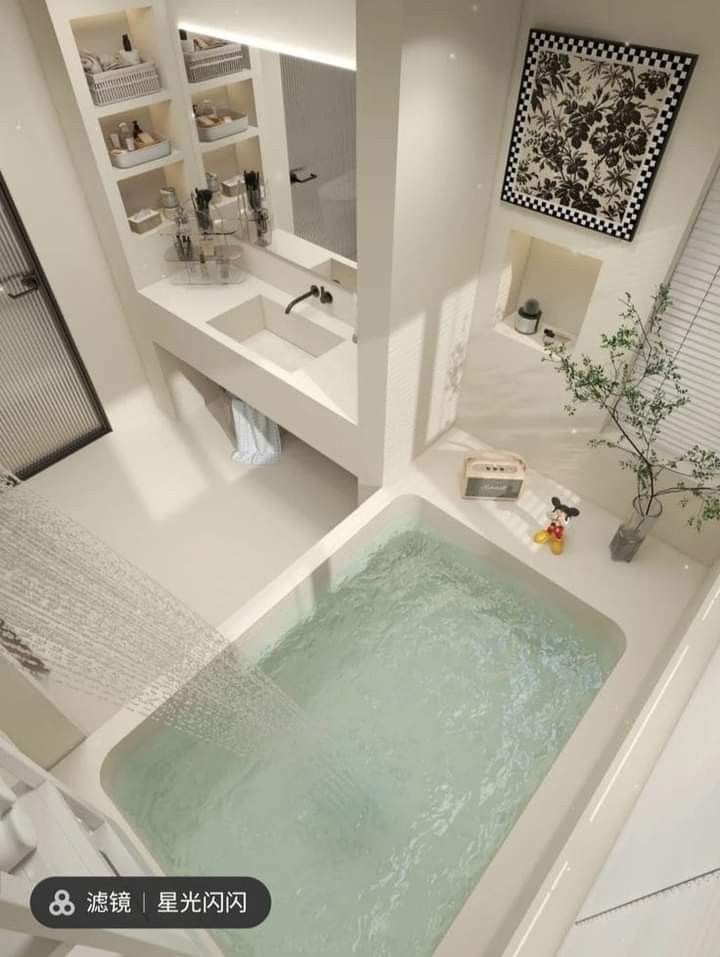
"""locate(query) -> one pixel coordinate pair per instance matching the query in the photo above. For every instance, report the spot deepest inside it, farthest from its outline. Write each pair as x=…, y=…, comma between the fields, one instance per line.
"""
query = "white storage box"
x=217, y=61
x=238, y=124
x=140, y=155
x=144, y=220
x=125, y=83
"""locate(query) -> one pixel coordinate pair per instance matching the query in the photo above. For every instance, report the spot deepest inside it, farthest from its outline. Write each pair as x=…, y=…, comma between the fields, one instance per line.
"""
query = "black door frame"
x=46, y=290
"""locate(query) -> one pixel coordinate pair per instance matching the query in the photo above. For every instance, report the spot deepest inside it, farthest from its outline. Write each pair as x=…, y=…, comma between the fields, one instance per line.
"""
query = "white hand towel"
x=257, y=437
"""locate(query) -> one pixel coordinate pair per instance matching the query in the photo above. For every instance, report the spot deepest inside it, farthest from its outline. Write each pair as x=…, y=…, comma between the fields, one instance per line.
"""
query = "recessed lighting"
x=274, y=46
x=453, y=56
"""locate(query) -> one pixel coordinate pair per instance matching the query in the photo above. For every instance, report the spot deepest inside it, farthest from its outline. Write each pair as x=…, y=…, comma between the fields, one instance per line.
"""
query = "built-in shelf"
x=176, y=156
x=535, y=341
x=249, y=134
x=226, y=80
x=127, y=106
x=559, y=277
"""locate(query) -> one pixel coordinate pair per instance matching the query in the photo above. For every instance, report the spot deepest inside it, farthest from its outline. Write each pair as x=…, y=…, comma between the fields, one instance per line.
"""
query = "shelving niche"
x=562, y=279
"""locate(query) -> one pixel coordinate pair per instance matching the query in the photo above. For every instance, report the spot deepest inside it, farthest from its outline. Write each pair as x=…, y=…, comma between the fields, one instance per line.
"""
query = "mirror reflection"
x=289, y=123
x=318, y=104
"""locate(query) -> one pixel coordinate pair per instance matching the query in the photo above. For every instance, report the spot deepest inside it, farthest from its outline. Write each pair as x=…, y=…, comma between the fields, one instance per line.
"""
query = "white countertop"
x=330, y=379
x=302, y=252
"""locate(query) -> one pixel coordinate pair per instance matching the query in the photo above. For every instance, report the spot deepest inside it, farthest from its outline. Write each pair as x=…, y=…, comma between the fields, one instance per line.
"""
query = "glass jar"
x=635, y=528
x=169, y=202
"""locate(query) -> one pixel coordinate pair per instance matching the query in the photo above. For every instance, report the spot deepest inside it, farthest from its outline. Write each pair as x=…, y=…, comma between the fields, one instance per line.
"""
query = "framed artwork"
x=592, y=120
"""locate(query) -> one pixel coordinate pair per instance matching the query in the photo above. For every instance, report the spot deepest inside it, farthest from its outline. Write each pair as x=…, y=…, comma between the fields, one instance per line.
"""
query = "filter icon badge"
x=61, y=904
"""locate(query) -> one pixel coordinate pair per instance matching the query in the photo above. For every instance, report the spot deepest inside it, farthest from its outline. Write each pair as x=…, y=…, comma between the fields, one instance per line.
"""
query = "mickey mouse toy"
x=555, y=532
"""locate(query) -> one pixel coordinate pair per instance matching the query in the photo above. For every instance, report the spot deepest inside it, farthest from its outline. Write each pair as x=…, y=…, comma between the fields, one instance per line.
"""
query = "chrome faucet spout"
x=312, y=291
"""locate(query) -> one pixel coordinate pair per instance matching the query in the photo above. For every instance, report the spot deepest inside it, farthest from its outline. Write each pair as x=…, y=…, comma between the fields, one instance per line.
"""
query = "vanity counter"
x=299, y=369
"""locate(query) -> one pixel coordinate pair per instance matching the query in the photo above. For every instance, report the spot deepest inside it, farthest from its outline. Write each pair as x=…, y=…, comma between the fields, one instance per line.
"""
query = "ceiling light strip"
x=274, y=46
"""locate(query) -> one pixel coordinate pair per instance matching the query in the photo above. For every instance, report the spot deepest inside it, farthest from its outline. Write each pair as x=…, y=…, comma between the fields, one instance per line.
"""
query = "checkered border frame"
x=681, y=66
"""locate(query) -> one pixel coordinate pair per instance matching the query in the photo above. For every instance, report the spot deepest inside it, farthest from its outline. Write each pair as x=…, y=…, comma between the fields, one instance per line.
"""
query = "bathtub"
x=407, y=773
x=635, y=612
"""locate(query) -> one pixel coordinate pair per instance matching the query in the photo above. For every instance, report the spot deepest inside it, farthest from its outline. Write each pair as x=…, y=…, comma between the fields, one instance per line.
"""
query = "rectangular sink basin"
x=338, y=272
x=262, y=327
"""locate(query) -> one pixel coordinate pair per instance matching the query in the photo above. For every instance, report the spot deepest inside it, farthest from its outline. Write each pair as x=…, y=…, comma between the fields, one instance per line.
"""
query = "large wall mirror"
x=309, y=153
x=300, y=104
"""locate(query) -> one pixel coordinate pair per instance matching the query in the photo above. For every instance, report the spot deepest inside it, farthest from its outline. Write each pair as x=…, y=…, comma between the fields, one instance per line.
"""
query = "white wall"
x=49, y=734
x=38, y=169
x=320, y=29
x=508, y=397
x=454, y=62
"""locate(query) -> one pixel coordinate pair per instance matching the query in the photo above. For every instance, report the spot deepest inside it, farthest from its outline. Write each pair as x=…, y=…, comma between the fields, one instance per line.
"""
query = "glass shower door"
x=48, y=406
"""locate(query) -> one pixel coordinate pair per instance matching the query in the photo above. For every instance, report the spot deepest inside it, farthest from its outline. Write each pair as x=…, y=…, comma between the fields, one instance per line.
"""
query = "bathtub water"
x=447, y=687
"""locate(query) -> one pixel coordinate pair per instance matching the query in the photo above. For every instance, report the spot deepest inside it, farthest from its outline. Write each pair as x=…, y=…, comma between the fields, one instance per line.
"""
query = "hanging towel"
x=257, y=437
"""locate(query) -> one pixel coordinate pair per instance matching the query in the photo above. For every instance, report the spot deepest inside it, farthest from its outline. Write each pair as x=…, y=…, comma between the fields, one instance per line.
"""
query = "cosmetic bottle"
x=128, y=56
x=207, y=108
x=141, y=138
x=126, y=137
x=186, y=45
x=115, y=141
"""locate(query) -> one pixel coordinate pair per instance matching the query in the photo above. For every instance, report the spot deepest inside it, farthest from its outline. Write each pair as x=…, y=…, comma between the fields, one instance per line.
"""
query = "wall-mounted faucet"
x=321, y=293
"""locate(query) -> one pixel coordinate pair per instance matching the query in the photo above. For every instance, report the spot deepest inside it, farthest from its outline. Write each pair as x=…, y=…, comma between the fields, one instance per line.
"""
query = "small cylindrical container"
x=169, y=201
x=527, y=318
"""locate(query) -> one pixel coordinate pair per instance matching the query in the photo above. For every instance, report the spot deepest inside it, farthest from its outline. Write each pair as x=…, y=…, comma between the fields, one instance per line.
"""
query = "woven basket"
x=123, y=84
x=218, y=61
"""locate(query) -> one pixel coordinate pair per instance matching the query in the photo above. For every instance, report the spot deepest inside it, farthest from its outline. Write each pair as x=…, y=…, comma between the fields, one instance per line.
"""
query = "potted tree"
x=638, y=385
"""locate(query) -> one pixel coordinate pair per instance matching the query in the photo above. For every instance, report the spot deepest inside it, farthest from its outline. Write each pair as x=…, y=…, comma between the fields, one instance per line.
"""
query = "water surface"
x=441, y=693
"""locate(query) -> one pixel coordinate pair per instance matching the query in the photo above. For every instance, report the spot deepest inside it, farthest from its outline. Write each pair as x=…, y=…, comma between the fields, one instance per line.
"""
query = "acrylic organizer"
x=208, y=254
x=209, y=273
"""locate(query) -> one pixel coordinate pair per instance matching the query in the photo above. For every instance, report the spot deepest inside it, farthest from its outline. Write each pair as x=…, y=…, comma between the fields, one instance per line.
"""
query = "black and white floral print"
x=590, y=129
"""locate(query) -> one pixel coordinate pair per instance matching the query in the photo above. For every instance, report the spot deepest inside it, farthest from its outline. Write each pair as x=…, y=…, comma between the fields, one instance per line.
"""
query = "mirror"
x=287, y=115
x=308, y=149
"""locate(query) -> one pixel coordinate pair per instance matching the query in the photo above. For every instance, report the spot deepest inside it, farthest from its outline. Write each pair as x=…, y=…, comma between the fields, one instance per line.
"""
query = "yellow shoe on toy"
x=556, y=547
x=542, y=537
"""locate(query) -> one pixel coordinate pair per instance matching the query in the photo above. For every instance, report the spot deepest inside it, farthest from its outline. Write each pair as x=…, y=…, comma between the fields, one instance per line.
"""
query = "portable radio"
x=494, y=475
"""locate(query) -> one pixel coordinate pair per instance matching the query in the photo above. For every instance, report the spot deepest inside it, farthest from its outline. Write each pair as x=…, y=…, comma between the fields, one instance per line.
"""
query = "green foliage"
x=639, y=386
